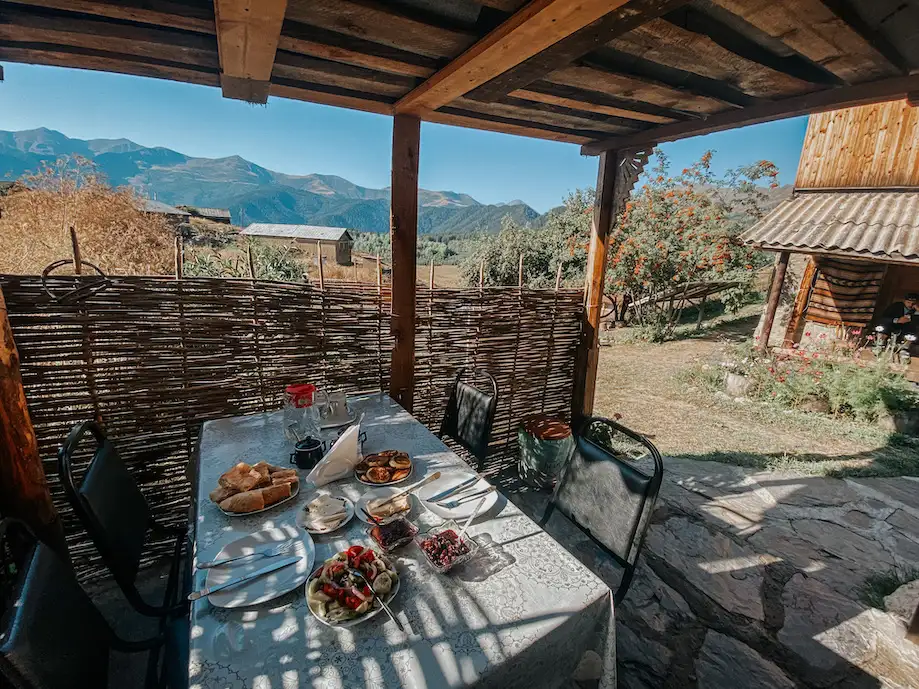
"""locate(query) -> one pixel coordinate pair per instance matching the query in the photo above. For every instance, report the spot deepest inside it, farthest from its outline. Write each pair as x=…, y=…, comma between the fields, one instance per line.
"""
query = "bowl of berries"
x=394, y=534
x=442, y=547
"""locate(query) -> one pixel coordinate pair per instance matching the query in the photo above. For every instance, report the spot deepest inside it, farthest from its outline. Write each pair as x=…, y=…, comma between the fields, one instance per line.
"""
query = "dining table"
x=522, y=613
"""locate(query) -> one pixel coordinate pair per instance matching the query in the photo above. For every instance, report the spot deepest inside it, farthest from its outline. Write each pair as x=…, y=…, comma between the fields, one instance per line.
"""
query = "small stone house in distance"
x=219, y=215
x=334, y=242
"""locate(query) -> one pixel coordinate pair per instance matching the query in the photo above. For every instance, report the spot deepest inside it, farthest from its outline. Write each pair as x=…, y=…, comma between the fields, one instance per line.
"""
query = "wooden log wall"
x=870, y=146
x=165, y=355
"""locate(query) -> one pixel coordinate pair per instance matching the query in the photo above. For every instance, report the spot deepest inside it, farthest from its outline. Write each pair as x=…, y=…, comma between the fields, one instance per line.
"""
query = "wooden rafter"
x=575, y=46
x=163, y=13
x=247, y=38
x=844, y=10
x=730, y=38
x=821, y=101
x=531, y=30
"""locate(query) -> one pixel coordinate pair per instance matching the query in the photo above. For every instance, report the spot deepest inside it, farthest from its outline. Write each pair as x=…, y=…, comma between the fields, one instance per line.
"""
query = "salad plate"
x=330, y=593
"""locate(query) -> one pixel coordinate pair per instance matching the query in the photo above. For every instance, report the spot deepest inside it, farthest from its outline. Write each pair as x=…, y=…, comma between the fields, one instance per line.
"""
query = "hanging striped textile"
x=845, y=292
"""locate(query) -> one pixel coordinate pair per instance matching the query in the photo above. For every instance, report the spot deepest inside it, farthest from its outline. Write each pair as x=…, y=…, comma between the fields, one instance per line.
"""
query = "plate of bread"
x=253, y=488
x=384, y=468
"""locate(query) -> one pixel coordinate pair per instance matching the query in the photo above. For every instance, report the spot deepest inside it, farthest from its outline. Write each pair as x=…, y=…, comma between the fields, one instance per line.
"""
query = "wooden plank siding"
x=845, y=292
x=871, y=146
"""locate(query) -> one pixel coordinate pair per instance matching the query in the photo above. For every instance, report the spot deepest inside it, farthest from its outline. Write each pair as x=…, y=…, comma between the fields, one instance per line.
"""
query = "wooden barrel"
x=545, y=445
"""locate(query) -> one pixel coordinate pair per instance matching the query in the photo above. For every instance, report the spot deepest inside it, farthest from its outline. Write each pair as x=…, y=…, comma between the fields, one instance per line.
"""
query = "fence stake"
x=179, y=258
x=77, y=257
x=319, y=261
x=379, y=275
x=520, y=272
x=251, y=261
x=481, y=273
x=558, y=277
x=431, y=278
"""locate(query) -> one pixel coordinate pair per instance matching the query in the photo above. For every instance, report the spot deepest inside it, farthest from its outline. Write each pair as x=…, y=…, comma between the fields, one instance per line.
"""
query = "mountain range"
x=251, y=192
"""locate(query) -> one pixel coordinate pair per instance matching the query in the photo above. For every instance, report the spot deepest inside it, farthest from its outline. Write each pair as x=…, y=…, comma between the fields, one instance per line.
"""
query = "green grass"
x=879, y=586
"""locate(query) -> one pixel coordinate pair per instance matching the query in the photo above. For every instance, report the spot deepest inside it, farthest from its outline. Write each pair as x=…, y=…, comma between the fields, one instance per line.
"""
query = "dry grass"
x=112, y=232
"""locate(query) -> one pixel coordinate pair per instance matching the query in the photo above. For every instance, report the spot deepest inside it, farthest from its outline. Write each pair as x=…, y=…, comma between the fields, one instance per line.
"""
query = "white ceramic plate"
x=448, y=479
x=411, y=472
x=353, y=623
x=271, y=585
x=293, y=494
x=302, y=515
x=380, y=494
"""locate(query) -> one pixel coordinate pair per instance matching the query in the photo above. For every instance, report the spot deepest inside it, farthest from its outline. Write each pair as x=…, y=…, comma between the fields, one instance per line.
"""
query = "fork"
x=358, y=573
x=466, y=498
x=273, y=551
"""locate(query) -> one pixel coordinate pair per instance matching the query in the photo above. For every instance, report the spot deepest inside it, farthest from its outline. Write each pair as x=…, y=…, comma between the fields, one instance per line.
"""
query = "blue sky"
x=300, y=138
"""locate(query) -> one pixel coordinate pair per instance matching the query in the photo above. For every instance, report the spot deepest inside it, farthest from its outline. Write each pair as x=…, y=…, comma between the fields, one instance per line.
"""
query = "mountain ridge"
x=252, y=193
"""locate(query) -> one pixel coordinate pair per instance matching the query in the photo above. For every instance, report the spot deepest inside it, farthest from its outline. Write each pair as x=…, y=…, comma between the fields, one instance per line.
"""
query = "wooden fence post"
x=618, y=172
x=319, y=263
x=179, y=258
x=77, y=257
x=403, y=229
x=23, y=487
x=520, y=272
x=772, y=305
x=251, y=261
x=431, y=276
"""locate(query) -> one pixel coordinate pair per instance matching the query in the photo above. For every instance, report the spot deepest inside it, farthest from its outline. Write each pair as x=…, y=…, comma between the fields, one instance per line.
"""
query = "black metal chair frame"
x=96, y=531
x=8, y=674
x=636, y=540
x=479, y=453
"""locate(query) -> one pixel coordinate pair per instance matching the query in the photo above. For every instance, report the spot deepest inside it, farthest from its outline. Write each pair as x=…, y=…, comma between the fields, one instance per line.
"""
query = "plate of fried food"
x=252, y=488
x=384, y=468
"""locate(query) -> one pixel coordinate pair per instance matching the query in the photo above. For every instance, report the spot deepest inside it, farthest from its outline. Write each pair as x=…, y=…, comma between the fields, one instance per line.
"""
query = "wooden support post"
x=403, y=226
x=775, y=294
x=520, y=272
x=77, y=257
x=792, y=332
x=431, y=276
x=379, y=275
x=701, y=315
x=319, y=263
x=618, y=172
x=251, y=261
x=23, y=487
x=179, y=258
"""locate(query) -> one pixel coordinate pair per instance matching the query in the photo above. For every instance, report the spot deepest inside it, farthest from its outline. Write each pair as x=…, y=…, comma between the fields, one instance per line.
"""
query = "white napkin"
x=340, y=460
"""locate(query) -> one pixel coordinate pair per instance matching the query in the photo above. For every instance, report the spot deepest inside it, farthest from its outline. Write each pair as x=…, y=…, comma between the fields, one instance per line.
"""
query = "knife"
x=450, y=491
x=463, y=499
x=235, y=581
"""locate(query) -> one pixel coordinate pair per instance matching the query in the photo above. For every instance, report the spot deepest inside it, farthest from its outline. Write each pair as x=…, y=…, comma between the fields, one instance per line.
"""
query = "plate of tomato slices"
x=338, y=598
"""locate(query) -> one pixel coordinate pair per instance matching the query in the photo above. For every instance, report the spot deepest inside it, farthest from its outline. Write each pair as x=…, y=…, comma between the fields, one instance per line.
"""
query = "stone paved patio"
x=753, y=580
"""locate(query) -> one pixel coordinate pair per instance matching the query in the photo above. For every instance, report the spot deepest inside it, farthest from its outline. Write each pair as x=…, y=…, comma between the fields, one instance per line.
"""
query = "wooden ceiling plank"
x=62, y=56
x=172, y=15
x=590, y=106
x=731, y=39
x=547, y=114
x=295, y=66
x=247, y=38
x=330, y=45
x=566, y=51
x=503, y=5
x=811, y=29
x=831, y=99
x=147, y=41
x=540, y=24
x=874, y=38
x=325, y=95
x=462, y=118
x=381, y=23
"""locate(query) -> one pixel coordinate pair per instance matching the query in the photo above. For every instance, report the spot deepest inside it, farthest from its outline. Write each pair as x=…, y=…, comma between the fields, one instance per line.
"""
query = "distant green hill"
x=251, y=192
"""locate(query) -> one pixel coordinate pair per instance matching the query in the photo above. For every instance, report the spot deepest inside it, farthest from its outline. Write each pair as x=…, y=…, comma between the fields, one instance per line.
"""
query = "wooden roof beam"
x=161, y=13
x=733, y=38
x=847, y=14
x=540, y=24
x=820, y=101
x=577, y=45
x=247, y=39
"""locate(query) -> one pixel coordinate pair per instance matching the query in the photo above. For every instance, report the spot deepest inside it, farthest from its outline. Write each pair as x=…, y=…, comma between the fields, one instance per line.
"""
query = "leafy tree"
x=681, y=229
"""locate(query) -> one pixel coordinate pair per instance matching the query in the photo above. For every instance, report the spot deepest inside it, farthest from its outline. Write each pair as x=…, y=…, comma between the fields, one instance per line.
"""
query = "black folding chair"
x=115, y=514
x=470, y=414
x=606, y=494
x=51, y=634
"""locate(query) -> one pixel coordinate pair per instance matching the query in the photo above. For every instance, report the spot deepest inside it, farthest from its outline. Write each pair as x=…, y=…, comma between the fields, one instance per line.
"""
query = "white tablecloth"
x=522, y=614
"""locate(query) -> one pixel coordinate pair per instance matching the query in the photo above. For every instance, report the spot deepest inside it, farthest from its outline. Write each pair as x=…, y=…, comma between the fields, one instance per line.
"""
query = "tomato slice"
x=367, y=591
x=368, y=556
x=330, y=591
x=355, y=550
x=352, y=602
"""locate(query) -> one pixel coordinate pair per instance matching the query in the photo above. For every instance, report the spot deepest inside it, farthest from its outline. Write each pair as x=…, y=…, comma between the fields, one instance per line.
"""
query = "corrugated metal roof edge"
x=894, y=257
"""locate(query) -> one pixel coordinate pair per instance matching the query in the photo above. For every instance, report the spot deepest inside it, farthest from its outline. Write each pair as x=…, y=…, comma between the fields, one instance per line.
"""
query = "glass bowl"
x=448, y=525
x=399, y=522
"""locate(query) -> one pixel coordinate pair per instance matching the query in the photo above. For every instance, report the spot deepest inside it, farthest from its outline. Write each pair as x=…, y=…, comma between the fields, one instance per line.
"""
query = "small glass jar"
x=301, y=418
x=393, y=534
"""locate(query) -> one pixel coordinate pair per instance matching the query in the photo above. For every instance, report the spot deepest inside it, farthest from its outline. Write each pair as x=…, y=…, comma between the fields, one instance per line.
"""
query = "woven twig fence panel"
x=119, y=356
x=154, y=357
x=527, y=339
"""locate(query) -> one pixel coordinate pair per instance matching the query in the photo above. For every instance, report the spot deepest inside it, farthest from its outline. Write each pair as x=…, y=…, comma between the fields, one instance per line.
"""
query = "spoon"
x=475, y=513
x=432, y=477
x=392, y=616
